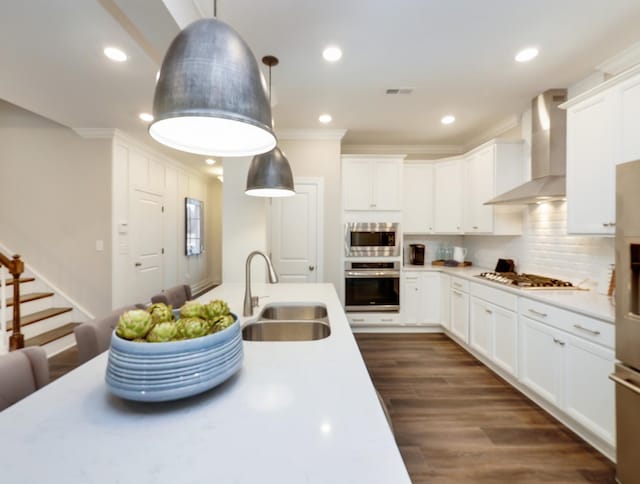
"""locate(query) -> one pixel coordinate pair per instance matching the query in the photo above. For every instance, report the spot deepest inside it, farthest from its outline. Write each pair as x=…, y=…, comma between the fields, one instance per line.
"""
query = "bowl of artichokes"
x=160, y=353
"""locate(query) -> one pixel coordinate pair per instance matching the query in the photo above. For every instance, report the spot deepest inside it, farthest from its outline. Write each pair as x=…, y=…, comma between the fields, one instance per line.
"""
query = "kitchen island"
x=297, y=412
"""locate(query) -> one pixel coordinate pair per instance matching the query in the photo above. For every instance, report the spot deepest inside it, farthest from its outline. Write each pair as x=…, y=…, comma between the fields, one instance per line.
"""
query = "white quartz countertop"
x=589, y=303
x=297, y=412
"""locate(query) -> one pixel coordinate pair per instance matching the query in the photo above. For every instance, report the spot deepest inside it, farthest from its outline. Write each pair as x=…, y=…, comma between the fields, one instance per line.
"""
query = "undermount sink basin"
x=289, y=322
x=294, y=312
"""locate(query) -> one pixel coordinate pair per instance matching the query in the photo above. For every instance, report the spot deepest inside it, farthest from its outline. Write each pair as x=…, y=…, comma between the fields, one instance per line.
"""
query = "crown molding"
x=493, y=132
x=95, y=133
x=311, y=134
x=623, y=76
x=622, y=61
x=363, y=149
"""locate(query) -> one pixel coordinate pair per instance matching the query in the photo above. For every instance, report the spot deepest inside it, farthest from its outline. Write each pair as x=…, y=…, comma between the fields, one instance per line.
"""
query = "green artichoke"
x=192, y=328
x=134, y=324
x=214, y=309
x=160, y=313
x=192, y=309
x=161, y=332
x=223, y=322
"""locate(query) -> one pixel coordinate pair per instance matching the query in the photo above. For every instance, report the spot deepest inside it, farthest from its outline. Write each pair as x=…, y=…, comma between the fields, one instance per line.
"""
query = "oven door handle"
x=371, y=274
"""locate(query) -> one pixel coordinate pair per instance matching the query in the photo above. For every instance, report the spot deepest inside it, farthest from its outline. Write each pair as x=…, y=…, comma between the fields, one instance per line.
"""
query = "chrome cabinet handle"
x=457, y=284
x=488, y=311
x=138, y=264
x=625, y=383
x=475, y=227
x=430, y=228
x=357, y=320
x=556, y=340
x=457, y=293
x=593, y=332
x=538, y=313
x=386, y=320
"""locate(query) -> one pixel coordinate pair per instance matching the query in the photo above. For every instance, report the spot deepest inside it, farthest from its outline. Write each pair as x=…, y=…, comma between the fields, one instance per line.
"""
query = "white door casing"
x=147, y=240
x=297, y=233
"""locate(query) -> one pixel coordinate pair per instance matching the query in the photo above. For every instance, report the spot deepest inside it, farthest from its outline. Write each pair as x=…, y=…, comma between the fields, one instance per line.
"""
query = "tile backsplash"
x=543, y=248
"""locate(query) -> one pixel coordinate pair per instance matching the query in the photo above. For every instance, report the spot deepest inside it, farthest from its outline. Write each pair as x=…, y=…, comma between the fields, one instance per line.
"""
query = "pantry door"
x=297, y=234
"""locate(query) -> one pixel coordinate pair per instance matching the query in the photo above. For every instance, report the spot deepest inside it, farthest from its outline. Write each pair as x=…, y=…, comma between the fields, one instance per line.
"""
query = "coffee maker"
x=416, y=254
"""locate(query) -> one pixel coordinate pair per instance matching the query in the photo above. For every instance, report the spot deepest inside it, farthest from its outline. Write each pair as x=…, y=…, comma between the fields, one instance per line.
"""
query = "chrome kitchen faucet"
x=250, y=301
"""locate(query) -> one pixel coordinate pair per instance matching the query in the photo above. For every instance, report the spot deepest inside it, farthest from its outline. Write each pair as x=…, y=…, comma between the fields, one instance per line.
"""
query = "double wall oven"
x=372, y=282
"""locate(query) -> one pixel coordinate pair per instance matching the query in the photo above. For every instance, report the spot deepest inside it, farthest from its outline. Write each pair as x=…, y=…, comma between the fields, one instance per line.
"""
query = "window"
x=194, y=222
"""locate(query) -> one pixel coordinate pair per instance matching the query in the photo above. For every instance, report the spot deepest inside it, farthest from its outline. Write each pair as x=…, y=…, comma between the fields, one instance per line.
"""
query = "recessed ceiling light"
x=448, y=119
x=115, y=54
x=157, y=76
x=332, y=53
x=146, y=117
x=210, y=161
x=325, y=118
x=221, y=178
x=525, y=55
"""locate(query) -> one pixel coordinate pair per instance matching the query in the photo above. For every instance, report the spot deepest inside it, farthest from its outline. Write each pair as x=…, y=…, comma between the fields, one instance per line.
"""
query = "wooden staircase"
x=43, y=320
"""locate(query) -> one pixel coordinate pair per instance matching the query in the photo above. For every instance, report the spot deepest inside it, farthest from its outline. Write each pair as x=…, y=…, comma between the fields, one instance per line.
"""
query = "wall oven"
x=372, y=240
x=372, y=286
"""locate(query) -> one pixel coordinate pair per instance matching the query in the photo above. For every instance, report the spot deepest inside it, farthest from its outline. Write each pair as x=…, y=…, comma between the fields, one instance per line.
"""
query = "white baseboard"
x=395, y=329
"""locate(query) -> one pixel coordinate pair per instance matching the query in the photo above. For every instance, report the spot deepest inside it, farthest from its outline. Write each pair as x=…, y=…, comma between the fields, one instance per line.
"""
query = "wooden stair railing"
x=16, y=268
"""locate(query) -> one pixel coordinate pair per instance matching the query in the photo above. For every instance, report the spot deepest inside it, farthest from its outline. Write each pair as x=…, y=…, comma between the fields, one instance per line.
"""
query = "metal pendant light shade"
x=210, y=98
x=270, y=176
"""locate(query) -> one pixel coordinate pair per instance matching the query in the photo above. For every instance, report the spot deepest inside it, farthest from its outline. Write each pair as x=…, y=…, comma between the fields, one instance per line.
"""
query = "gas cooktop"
x=527, y=281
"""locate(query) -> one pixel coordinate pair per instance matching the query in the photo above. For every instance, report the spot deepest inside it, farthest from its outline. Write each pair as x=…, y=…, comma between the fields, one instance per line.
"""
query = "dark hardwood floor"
x=455, y=421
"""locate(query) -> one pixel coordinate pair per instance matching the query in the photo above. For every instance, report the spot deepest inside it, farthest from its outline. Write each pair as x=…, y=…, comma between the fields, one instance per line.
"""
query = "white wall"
x=55, y=192
x=214, y=230
x=137, y=166
x=244, y=224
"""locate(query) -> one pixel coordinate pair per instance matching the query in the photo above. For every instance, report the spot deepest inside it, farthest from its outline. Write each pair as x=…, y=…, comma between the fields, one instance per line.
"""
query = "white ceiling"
x=457, y=55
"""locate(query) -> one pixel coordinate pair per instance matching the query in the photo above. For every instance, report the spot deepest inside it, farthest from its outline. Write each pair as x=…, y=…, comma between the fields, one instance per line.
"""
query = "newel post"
x=16, y=341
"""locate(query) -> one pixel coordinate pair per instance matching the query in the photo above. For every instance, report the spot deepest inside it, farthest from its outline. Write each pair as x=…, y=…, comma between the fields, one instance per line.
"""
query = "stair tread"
x=23, y=280
x=38, y=316
x=52, y=335
x=32, y=296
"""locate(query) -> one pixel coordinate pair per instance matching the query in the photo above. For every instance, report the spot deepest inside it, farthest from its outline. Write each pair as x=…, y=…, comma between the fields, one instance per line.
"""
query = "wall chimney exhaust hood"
x=548, y=153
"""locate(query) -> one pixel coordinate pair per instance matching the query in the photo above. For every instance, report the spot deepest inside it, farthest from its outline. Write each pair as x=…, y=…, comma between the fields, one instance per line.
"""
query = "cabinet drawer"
x=459, y=284
x=373, y=319
x=584, y=326
x=495, y=296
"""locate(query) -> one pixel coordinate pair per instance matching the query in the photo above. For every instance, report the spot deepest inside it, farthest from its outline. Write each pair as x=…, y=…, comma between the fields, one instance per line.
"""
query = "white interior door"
x=296, y=233
x=147, y=242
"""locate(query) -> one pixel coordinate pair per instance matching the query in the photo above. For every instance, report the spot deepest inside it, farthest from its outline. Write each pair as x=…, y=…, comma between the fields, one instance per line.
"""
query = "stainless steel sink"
x=294, y=312
x=290, y=322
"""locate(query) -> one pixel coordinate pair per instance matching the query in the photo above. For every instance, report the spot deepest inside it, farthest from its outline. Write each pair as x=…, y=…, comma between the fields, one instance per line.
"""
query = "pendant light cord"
x=215, y=8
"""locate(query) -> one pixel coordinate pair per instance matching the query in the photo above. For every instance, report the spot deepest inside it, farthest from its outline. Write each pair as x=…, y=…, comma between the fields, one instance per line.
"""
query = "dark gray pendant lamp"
x=210, y=98
x=270, y=173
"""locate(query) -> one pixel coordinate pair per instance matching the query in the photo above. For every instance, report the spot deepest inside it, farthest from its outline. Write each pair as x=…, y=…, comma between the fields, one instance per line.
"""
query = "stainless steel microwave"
x=372, y=239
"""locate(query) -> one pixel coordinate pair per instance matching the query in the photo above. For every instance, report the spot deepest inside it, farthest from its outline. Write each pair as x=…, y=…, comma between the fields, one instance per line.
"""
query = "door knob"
x=138, y=264
x=311, y=268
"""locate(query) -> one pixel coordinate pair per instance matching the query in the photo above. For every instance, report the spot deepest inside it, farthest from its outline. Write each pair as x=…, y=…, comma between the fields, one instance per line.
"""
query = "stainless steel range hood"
x=548, y=153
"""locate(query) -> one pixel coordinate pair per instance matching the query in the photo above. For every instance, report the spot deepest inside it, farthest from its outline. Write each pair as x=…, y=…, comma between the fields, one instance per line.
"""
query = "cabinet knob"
x=138, y=264
x=311, y=268
x=475, y=227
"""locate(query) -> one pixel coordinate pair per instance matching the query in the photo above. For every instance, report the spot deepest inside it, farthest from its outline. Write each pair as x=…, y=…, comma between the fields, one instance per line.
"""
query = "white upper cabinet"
x=492, y=169
x=372, y=183
x=418, y=197
x=629, y=119
x=591, y=166
x=449, y=178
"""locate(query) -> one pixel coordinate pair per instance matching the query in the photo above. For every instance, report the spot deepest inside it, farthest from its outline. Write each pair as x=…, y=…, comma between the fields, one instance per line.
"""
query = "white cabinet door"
x=541, y=358
x=480, y=188
x=357, y=185
x=460, y=314
x=417, y=212
x=448, y=197
x=430, y=290
x=589, y=394
x=505, y=339
x=445, y=297
x=411, y=299
x=387, y=185
x=629, y=118
x=590, y=166
x=481, y=326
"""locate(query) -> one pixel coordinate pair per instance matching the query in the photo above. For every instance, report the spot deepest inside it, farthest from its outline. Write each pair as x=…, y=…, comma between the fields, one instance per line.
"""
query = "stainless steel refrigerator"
x=627, y=372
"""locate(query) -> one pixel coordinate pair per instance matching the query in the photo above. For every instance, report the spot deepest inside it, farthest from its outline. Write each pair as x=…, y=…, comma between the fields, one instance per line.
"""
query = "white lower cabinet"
x=505, y=339
x=570, y=372
x=459, y=312
x=481, y=326
x=420, y=298
x=445, y=297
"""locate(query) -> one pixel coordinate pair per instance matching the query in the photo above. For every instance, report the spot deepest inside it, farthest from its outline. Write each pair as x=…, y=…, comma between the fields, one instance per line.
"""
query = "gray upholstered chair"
x=176, y=296
x=22, y=372
x=94, y=337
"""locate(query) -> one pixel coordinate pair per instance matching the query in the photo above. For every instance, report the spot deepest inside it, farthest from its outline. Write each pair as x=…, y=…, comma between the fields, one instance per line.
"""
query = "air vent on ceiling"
x=404, y=90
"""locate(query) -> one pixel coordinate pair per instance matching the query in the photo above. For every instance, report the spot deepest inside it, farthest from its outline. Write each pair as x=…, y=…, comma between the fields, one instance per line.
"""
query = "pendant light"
x=210, y=97
x=270, y=173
